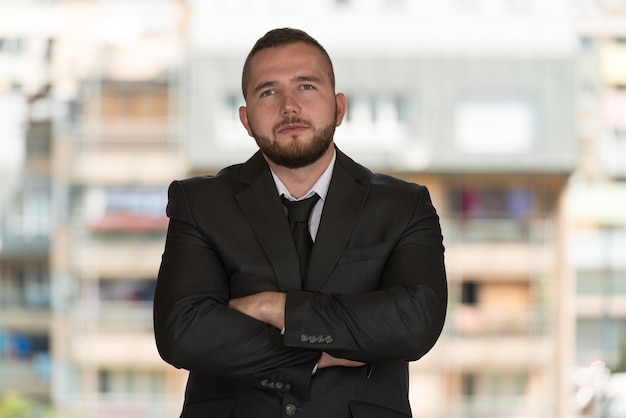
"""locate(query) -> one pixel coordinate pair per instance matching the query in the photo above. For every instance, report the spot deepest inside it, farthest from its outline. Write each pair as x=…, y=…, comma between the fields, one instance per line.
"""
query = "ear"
x=341, y=105
x=243, y=117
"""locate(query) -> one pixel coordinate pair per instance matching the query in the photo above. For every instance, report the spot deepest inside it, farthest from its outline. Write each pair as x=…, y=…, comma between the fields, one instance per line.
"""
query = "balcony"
x=118, y=256
x=30, y=377
x=26, y=223
x=498, y=260
x=113, y=335
x=475, y=321
x=123, y=150
x=601, y=306
x=495, y=351
x=26, y=317
x=493, y=230
x=25, y=246
x=121, y=316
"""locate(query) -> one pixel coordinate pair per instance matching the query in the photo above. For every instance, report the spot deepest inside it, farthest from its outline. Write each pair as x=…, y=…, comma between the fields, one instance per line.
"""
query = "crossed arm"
x=269, y=307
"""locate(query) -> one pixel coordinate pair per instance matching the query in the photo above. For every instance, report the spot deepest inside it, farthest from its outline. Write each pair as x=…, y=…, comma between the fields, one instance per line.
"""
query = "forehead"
x=288, y=61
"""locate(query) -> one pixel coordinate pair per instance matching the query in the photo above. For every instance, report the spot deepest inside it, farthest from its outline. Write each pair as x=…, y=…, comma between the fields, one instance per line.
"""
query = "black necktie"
x=298, y=213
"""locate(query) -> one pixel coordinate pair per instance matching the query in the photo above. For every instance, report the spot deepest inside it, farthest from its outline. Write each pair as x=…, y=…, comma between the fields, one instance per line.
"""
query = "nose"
x=290, y=105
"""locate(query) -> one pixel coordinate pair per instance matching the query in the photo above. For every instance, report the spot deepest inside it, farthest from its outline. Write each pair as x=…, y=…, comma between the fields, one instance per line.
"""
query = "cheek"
x=260, y=124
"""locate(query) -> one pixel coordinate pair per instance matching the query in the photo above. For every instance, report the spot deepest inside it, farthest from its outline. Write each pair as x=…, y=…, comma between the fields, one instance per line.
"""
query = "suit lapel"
x=262, y=207
x=343, y=204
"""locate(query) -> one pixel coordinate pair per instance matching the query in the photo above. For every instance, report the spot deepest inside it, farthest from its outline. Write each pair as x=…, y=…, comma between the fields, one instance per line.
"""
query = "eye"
x=267, y=93
x=307, y=87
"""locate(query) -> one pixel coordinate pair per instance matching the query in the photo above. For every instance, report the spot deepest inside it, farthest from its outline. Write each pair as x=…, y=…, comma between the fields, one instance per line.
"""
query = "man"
x=260, y=337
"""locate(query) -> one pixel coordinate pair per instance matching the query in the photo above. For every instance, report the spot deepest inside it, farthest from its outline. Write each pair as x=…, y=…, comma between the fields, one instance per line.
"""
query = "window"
x=49, y=49
x=25, y=286
x=377, y=110
x=136, y=200
x=601, y=338
x=135, y=103
x=29, y=215
x=495, y=383
x=601, y=282
x=22, y=345
x=129, y=382
x=11, y=45
x=128, y=290
x=600, y=250
x=33, y=284
x=469, y=293
x=479, y=203
x=127, y=210
x=468, y=384
x=496, y=215
x=495, y=393
x=494, y=126
x=232, y=103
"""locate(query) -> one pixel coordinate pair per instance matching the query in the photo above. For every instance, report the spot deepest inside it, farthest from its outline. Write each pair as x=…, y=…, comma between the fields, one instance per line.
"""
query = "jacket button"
x=290, y=410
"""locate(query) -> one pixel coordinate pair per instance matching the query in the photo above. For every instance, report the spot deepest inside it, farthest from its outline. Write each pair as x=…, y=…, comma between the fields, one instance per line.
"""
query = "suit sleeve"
x=196, y=330
x=401, y=320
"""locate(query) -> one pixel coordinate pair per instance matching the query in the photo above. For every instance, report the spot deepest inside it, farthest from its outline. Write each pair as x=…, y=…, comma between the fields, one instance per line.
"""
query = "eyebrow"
x=300, y=78
x=311, y=78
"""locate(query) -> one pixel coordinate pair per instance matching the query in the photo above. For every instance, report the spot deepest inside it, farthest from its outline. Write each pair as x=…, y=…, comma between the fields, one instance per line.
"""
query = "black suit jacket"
x=375, y=293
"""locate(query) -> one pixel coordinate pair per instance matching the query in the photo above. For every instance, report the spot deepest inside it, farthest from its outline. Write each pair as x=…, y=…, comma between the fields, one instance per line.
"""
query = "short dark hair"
x=282, y=37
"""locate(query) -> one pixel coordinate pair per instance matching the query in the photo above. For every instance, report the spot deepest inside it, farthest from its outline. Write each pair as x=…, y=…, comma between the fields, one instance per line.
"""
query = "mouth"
x=292, y=128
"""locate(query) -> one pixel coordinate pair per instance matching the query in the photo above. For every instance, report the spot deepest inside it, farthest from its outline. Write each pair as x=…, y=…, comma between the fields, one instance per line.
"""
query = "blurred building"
x=26, y=40
x=596, y=197
x=480, y=100
x=117, y=144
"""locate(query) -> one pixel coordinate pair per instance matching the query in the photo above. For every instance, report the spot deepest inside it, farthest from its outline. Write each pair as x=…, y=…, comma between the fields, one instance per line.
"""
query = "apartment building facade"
x=26, y=200
x=596, y=205
x=474, y=99
x=115, y=153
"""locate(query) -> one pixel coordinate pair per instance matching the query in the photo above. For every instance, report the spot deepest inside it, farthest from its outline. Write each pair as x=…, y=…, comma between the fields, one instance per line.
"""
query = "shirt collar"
x=320, y=187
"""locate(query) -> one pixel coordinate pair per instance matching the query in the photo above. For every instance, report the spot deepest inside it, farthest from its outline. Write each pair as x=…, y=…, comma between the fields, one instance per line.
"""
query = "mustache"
x=290, y=120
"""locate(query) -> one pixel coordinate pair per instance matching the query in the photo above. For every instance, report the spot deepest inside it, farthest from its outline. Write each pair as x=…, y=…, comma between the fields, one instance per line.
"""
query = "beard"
x=296, y=154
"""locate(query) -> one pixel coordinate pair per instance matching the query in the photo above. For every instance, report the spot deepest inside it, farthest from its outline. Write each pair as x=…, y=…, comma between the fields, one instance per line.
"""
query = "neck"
x=300, y=180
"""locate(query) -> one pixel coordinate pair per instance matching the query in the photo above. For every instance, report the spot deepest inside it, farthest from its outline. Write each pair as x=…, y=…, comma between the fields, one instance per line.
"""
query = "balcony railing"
x=127, y=135
x=30, y=376
x=533, y=231
x=117, y=316
x=473, y=321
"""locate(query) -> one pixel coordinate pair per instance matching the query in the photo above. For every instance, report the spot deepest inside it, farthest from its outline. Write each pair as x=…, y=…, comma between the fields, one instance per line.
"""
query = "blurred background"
x=512, y=112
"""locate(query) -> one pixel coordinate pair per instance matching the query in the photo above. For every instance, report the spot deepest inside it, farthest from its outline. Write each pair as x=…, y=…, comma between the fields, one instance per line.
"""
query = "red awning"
x=129, y=222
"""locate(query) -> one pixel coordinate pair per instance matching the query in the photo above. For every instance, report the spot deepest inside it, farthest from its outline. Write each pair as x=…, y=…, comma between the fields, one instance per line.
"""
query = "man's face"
x=291, y=108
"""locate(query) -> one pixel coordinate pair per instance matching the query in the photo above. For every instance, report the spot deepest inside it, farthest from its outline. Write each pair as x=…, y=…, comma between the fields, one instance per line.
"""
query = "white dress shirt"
x=320, y=187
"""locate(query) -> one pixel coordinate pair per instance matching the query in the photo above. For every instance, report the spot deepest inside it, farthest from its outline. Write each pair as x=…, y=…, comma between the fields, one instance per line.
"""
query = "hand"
x=268, y=307
x=329, y=361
